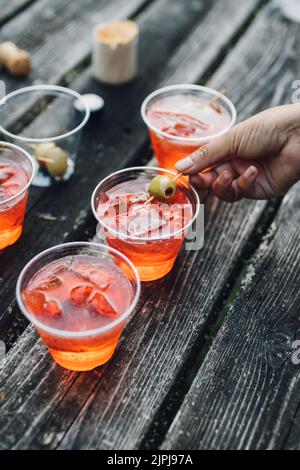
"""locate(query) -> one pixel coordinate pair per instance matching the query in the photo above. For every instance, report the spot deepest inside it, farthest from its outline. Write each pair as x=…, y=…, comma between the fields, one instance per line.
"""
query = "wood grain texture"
x=58, y=34
x=218, y=30
x=114, y=406
x=266, y=61
x=9, y=8
x=246, y=393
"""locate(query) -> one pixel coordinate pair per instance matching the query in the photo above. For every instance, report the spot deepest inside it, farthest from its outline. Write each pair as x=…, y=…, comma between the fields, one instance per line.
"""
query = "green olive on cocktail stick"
x=57, y=164
x=162, y=187
x=213, y=102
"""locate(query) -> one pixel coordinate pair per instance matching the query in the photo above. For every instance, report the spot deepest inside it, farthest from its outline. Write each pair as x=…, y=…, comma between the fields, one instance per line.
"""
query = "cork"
x=16, y=61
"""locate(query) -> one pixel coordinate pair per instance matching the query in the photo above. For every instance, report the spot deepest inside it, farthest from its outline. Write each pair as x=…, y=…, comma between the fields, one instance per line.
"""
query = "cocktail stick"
x=216, y=98
x=45, y=160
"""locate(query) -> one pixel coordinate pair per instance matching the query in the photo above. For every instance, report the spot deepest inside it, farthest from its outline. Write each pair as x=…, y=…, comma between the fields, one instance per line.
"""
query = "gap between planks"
x=231, y=43
x=172, y=402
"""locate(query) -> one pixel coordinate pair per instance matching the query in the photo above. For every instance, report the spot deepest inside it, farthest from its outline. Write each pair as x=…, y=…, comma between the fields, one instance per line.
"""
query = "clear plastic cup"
x=78, y=346
x=46, y=120
x=153, y=255
x=13, y=208
x=171, y=145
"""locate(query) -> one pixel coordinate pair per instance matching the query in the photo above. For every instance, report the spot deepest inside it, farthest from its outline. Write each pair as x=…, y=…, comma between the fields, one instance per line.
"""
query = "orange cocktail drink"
x=79, y=296
x=16, y=173
x=149, y=235
x=180, y=120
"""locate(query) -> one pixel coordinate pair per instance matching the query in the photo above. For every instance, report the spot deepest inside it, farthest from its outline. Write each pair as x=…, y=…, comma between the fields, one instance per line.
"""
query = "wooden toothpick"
x=216, y=98
x=45, y=160
x=177, y=177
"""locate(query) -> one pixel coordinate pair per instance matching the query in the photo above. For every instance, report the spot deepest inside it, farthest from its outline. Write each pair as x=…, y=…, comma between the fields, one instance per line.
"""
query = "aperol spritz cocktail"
x=149, y=235
x=79, y=296
x=180, y=120
x=16, y=173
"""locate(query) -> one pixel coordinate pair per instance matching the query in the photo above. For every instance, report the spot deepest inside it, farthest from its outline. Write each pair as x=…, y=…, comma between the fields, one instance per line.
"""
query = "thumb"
x=216, y=151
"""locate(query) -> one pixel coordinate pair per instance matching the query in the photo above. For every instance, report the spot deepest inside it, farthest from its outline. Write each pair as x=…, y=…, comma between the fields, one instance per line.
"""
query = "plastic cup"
x=12, y=209
x=170, y=148
x=153, y=255
x=79, y=348
x=55, y=116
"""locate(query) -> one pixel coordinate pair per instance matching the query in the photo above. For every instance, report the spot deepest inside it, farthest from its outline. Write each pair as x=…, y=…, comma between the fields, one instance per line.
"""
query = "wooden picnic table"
x=206, y=360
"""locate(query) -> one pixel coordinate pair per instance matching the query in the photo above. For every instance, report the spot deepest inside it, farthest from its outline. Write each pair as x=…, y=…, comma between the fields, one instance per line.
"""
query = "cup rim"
x=29, y=89
x=85, y=333
x=29, y=158
x=104, y=23
x=188, y=87
x=144, y=239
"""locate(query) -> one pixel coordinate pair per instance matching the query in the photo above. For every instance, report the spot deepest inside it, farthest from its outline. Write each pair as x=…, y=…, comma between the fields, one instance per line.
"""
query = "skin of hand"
x=257, y=159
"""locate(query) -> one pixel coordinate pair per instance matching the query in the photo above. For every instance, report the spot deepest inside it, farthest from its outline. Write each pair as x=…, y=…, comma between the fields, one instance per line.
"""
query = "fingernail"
x=250, y=172
x=185, y=164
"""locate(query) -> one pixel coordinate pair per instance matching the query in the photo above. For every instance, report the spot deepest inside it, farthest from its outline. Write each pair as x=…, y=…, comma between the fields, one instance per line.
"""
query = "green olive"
x=162, y=188
x=58, y=165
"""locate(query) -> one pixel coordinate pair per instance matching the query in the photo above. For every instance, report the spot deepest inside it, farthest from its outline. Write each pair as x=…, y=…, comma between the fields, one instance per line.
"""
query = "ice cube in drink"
x=16, y=172
x=78, y=302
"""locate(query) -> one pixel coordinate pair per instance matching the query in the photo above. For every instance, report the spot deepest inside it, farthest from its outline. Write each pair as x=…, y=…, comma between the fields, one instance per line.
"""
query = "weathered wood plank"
x=121, y=400
x=58, y=35
x=9, y=8
x=118, y=407
x=278, y=42
x=246, y=394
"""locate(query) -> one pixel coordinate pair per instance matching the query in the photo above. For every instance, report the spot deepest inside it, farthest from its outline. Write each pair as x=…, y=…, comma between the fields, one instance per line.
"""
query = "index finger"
x=208, y=155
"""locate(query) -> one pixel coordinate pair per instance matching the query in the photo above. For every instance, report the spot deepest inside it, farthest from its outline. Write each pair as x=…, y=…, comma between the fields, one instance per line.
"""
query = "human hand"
x=257, y=159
